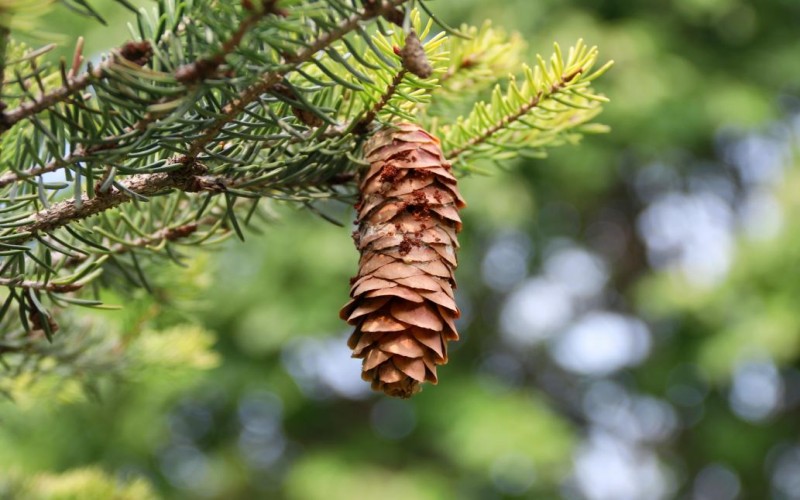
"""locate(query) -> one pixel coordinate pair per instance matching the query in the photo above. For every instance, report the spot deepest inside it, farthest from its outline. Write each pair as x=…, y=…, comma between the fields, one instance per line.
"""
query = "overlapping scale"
x=402, y=303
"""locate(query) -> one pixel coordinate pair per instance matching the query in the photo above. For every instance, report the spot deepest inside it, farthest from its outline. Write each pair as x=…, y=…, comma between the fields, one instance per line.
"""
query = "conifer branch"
x=205, y=67
x=502, y=124
x=172, y=233
x=269, y=80
x=549, y=107
x=513, y=117
x=190, y=178
x=230, y=112
x=483, y=58
x=209, y=124
x=37, y=285
x=46, y=100
x=80, y=154
x=139, y=186
x=362, y=126
x=138, y=53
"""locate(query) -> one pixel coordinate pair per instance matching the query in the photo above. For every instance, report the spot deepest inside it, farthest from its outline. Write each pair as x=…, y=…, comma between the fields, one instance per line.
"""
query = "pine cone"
x=402, y=298
x=414, y=58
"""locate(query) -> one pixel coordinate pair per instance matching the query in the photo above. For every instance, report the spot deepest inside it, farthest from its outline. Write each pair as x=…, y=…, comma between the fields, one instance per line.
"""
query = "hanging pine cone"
x=402, y=298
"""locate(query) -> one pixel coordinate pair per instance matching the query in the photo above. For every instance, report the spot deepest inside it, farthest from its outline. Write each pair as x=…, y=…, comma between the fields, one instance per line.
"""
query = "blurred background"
x=631, y=324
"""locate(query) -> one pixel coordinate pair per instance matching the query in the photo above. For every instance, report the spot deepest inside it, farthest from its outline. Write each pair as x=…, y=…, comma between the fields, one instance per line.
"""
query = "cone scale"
x=402, y=303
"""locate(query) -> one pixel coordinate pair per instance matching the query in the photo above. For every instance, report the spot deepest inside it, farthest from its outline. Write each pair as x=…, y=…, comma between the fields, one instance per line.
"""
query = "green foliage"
x=75, y=485
x=20, y=14
x=336, y=479
x=500, y=424
x=754, y=313
x=78, y=366
x=115, y=174
x=479, y=58
x=552, y=100
x=690, y=82
x=359, y=84
x=176, y=139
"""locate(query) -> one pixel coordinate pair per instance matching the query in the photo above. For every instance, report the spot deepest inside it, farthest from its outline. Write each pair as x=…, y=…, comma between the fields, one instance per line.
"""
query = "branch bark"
x=144, y=185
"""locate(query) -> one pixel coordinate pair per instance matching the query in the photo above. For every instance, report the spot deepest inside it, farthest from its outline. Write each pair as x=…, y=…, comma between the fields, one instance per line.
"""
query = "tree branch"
x=189, y=179
x=269, y=80
x=79, y=154
x=205, y=67
x=506, y=121
x=137, y=52
x=37, y=285
x=142, y=185
x=140, y=54
x=363, y=124
x=45, y=101
x=230, y=111
x=173, y=233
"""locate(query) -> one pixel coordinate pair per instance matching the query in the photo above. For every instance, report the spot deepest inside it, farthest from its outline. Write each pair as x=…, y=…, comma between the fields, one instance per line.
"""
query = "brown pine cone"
x=414, y=58
x=402, y=298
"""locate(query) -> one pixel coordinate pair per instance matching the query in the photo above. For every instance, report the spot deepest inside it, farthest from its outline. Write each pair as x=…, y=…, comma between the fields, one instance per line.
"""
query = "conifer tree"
x=173, y=139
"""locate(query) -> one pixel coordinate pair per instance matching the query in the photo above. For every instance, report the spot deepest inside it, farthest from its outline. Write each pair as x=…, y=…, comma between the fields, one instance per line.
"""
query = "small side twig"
x=362, y=126
x=507, y=120
x=37, y=285
x=173, y=233
x=77, y=58
x=207, y=66
x=71, y=86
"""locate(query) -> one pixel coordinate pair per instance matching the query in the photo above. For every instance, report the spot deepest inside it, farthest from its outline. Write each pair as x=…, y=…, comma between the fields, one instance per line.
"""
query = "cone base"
x=403, y=389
